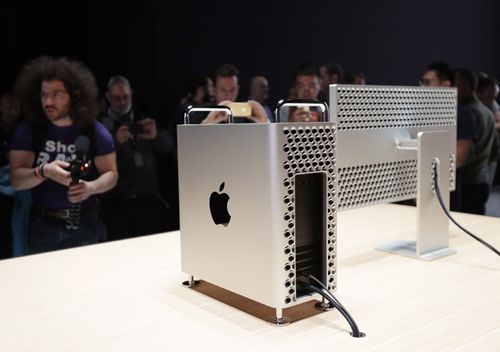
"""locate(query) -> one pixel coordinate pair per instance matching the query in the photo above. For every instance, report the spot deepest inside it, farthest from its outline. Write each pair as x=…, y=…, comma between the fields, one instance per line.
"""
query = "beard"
x=124, y=110
x=55, y=114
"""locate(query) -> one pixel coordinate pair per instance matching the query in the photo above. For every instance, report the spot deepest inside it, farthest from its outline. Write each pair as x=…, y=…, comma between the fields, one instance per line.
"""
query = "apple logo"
x=218, y=207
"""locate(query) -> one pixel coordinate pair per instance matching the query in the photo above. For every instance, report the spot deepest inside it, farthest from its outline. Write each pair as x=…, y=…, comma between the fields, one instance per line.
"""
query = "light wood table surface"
x=127, y=296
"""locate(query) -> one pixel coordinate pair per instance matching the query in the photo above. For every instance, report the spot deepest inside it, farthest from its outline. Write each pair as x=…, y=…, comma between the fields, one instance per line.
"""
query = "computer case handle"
x=223, y=108
x=301, y=103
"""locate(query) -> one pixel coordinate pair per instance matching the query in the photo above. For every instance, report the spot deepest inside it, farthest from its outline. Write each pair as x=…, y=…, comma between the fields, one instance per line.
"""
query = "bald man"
x=259, y=91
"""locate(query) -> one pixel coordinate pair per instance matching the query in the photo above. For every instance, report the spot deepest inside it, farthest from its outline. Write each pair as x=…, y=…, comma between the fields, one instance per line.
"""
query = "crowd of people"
x=75, y=172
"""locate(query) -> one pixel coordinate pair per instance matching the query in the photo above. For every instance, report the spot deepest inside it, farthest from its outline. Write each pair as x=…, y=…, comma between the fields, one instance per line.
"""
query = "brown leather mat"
x=258, y=310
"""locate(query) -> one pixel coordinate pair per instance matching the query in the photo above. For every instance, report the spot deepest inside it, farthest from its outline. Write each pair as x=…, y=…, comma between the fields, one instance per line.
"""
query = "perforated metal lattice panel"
x=376, y=183
x=369, y=120
x=308, y=149
x=371, y=107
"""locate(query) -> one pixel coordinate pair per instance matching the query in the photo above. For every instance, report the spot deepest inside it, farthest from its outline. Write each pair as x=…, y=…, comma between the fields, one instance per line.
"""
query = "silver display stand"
x=432, y=240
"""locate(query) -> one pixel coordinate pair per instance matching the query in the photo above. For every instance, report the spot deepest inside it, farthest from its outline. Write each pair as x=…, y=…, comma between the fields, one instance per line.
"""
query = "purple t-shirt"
x=59, y=144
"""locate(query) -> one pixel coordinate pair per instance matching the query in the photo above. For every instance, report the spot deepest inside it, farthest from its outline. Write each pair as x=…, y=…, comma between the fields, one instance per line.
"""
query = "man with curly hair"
x=58, y=100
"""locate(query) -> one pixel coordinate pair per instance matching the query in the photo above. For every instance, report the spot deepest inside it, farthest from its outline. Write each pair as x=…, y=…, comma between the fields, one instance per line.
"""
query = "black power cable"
x=322, y=286
x=325, y=293
x=441, y=202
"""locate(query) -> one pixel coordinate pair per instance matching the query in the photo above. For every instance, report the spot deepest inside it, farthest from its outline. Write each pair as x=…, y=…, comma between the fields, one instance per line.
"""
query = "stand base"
x=284, y=321
x=191, y=282
x=409, y=249
x=188, y=284
x=324, y=306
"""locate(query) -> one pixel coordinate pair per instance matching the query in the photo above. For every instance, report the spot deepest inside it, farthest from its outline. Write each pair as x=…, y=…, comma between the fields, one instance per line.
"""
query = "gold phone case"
x=240, y=109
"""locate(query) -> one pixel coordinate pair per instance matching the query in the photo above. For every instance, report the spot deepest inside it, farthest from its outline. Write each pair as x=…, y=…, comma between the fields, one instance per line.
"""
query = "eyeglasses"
x=56, y=94
x=117, y=98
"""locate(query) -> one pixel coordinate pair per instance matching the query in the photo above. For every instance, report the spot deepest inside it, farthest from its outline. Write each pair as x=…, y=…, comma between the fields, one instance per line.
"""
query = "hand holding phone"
x=250, y=110
x=303, y=114
x=258, y=115
x=240, y=109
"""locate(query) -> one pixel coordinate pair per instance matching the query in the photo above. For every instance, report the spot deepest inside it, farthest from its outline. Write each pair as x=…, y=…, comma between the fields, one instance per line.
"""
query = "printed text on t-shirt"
x=64, y=152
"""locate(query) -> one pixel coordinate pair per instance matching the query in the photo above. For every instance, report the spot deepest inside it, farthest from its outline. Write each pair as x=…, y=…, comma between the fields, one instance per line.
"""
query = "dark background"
x=159, y=44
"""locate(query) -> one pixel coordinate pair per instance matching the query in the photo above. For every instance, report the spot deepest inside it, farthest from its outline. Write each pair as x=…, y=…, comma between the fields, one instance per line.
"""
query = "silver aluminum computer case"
x=255, y=254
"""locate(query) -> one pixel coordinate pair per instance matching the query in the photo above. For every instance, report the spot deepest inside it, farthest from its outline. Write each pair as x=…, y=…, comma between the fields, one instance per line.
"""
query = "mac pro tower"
x=257, y=208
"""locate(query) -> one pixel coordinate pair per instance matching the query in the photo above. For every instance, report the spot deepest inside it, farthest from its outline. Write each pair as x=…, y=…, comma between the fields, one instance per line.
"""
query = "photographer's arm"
x=23, y=175
x=162, y=141
x=123, y=134
x=215, y=117
x=106, y=165
x=258, y=113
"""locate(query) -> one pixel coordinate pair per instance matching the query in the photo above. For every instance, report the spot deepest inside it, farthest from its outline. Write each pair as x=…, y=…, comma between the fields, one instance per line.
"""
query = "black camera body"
x=135, y=128
x=78, y=169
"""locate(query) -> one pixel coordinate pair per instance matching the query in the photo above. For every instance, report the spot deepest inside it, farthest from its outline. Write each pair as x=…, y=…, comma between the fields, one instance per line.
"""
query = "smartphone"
x=240, y=109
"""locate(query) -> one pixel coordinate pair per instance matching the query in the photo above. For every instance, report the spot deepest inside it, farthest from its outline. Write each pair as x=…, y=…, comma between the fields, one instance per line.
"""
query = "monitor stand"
x=432, y=224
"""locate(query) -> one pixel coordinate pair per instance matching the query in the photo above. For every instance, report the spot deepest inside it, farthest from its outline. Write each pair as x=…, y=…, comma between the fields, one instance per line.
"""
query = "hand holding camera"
x=147, y=128
x=79, y=190
x=123, y=134
x=58, y=171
